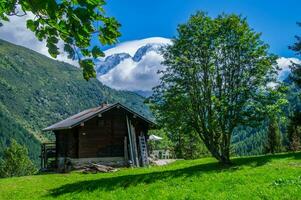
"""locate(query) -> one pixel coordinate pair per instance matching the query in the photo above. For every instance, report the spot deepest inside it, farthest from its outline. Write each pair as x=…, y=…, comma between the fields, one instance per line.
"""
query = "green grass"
x=261, y=177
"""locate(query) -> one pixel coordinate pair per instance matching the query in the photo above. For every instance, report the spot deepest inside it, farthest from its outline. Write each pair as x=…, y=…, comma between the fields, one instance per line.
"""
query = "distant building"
x=110, y=133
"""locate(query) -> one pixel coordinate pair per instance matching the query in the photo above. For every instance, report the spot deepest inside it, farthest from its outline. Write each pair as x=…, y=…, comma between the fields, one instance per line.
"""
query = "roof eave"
x=56, y=129
x=102, y=111
x=140, y=116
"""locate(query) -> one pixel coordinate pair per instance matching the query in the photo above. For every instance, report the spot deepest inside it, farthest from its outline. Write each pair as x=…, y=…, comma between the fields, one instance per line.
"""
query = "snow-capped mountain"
x=133, y=65
x=104, y=66
x=142, y=51
x=110, y=62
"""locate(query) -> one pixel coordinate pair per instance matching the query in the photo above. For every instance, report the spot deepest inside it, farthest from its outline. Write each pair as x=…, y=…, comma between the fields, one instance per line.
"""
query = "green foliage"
x=271, y=106
x=294, y=126
x=294, y=132
x=75, y=23
x=217, y=68
x=16, y=162
x=273, y=144
x=248, y=141
x=272, y=177
x=273, y=103
x=295, y=67
x=36, y=91
x=10, y=128
x=191, y=146
x=165, y=143
x=296, y=73
x=182, y=145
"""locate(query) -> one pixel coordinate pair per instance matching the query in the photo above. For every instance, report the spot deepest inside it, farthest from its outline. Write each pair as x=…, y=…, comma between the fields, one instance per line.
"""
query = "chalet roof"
x=85, y=115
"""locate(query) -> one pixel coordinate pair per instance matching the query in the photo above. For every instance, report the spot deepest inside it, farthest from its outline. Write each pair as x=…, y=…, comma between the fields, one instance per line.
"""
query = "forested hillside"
x=251, y=140
x=36, y=91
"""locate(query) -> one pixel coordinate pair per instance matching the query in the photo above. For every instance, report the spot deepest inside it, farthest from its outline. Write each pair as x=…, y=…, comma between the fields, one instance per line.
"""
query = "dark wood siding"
x=67, y=143
x=103, y=136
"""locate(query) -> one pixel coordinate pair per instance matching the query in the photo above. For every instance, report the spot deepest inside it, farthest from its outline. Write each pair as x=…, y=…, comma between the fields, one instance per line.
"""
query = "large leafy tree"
x=74, y=22
x=215, y=69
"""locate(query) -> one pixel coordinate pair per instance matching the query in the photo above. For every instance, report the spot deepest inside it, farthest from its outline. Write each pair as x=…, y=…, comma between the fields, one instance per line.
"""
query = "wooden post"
x=130, y=139
x=42, y=157
x=45, y=156
x=126, y=155
x=134, y=144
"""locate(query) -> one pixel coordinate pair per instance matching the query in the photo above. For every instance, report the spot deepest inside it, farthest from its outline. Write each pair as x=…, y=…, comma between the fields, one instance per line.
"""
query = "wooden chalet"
x=110, y=134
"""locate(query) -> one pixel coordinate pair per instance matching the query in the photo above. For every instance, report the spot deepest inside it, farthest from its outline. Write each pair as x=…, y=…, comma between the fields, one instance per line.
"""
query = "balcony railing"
x=48, y=156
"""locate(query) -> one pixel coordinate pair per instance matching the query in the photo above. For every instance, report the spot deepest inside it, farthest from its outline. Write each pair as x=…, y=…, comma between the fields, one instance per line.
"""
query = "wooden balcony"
x=48, y=156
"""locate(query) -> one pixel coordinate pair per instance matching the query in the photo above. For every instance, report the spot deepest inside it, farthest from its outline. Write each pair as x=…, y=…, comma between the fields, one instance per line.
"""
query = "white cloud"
x=284, y=64
x=133, y=76
x=142, y=75
x=15, y=31
x=131, y=47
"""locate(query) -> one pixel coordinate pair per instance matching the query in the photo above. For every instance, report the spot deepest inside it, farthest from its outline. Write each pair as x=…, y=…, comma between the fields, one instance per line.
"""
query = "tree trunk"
x=221, y=152
x=223, y=158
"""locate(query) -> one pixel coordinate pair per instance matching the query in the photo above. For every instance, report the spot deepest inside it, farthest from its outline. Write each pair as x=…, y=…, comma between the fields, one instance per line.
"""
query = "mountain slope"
x=36, y=91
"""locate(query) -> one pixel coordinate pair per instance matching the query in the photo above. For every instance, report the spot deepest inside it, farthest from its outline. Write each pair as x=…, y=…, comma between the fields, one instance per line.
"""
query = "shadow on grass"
x=124, y=181
x=257, y=161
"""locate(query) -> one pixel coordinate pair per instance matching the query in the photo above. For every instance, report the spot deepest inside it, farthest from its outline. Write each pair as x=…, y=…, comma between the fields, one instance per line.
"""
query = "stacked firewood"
x=96, y=168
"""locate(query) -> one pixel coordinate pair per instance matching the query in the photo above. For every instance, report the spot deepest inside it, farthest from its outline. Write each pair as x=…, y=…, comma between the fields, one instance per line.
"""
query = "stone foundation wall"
x=109, y=161
x=67, y=164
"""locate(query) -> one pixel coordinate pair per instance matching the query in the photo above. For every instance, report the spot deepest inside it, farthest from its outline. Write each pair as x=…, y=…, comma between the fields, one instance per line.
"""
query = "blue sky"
x=275, y=19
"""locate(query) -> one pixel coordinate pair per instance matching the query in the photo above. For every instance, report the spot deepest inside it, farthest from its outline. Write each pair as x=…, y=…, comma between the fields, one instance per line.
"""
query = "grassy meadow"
x=261, y=177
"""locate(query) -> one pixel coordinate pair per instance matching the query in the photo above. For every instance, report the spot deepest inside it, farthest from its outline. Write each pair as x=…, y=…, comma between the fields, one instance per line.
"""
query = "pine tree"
x=294, y=133
x=15, y=161
x=296, y=67
x=274, y=138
